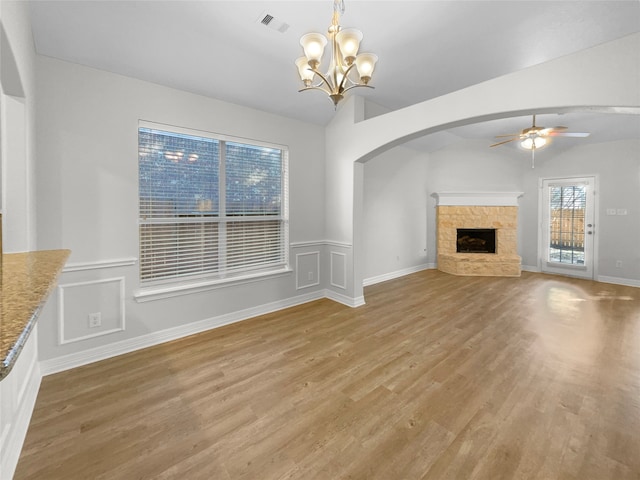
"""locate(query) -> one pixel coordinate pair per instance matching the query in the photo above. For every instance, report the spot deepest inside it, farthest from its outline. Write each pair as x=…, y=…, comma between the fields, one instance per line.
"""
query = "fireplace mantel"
x=480, y=199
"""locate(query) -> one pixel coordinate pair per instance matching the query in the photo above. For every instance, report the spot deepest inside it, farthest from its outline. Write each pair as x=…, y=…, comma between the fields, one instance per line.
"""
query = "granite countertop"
x=27, y=280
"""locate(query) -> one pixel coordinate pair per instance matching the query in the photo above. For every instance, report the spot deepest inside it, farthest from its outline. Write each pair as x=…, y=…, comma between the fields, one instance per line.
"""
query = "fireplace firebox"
x=476, y=240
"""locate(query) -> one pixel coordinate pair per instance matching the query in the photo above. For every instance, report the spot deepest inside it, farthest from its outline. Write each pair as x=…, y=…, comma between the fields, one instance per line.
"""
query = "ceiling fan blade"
x=506, y=141
x=536, y=131
x=569, y=134
x=551, y=130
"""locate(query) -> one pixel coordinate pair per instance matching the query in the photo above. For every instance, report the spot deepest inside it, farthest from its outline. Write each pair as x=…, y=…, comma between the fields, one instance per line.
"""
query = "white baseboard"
x=529, y=268
x=629, y=282
x=619, y=281
x=104, y=352
x=345, y=300
x=398, y=273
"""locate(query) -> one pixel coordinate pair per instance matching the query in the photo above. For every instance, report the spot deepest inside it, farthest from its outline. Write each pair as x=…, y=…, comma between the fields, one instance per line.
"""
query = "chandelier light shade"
x=349, y=42
x=346, y=70
x=306, y=74
x=365, y=63
x=313, y=45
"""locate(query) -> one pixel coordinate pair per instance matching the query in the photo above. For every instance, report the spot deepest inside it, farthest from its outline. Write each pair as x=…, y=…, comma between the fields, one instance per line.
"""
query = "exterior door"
x=568, y=227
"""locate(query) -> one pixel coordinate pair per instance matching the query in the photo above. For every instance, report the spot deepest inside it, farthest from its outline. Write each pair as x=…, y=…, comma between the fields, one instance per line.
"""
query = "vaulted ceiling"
x=426, y=49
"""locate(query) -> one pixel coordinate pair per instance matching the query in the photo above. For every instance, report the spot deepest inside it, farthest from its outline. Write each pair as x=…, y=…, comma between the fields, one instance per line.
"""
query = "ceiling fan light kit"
x=533, y=142
x=534, y=137
x=344, y=43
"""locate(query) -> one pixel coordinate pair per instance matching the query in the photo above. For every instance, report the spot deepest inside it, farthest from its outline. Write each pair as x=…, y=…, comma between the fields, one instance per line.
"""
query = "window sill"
x=148, y=294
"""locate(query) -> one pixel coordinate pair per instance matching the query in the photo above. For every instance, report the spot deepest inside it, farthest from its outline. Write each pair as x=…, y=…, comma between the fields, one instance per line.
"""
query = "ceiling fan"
x=536, y=137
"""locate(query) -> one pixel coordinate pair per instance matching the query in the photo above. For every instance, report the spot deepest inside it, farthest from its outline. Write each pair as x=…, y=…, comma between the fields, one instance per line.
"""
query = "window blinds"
x=209, y=206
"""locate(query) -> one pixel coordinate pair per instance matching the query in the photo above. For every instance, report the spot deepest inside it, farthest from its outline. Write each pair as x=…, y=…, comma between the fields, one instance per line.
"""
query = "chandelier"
x=345, y=42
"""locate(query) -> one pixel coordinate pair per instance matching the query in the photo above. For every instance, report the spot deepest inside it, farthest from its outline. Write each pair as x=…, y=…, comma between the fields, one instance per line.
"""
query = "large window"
x=210, y=206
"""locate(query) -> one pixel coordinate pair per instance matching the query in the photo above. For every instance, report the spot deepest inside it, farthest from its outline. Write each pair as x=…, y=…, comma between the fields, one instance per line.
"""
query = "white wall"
x=88, y=198
x=339, y=201
x=617, y=168
x=395, y=213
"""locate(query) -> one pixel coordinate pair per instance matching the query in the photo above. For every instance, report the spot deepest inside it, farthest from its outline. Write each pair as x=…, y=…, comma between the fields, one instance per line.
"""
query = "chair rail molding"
x=99, y=264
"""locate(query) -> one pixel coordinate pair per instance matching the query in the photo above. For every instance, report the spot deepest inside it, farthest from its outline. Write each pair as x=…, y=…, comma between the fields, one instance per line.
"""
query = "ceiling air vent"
x=270, y=21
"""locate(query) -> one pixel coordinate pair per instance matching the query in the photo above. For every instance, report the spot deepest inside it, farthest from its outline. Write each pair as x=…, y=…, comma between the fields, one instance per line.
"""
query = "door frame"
x=596, y=221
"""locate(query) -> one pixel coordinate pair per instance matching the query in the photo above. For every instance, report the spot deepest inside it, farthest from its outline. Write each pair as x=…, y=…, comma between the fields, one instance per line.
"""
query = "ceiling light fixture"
x=344, y=57
x=533, y=142
x=534, y=138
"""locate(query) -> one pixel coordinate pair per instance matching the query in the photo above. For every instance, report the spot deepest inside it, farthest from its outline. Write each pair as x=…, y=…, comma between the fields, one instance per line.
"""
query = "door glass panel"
x=567, y=204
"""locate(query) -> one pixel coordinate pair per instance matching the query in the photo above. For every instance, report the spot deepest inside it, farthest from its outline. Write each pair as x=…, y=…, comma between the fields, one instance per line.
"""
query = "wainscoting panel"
x=109, y=350
x=307, y=269
x=338, y=277
x=79, y=302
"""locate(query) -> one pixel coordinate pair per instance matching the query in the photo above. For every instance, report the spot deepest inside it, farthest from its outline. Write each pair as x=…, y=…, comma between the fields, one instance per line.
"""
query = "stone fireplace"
x=477, y=233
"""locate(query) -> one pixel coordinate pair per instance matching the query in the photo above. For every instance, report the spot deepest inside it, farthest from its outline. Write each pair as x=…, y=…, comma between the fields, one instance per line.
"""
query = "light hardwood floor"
x=437, y=377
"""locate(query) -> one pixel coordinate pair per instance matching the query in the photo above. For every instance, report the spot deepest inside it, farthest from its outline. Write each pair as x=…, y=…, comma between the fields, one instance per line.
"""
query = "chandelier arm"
x=324, y=79
x=314, y=87
x=341, y=87
x=357, y=85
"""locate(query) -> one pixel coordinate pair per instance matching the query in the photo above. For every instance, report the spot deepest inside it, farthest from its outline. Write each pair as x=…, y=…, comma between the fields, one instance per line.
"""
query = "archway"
x=604, y=78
